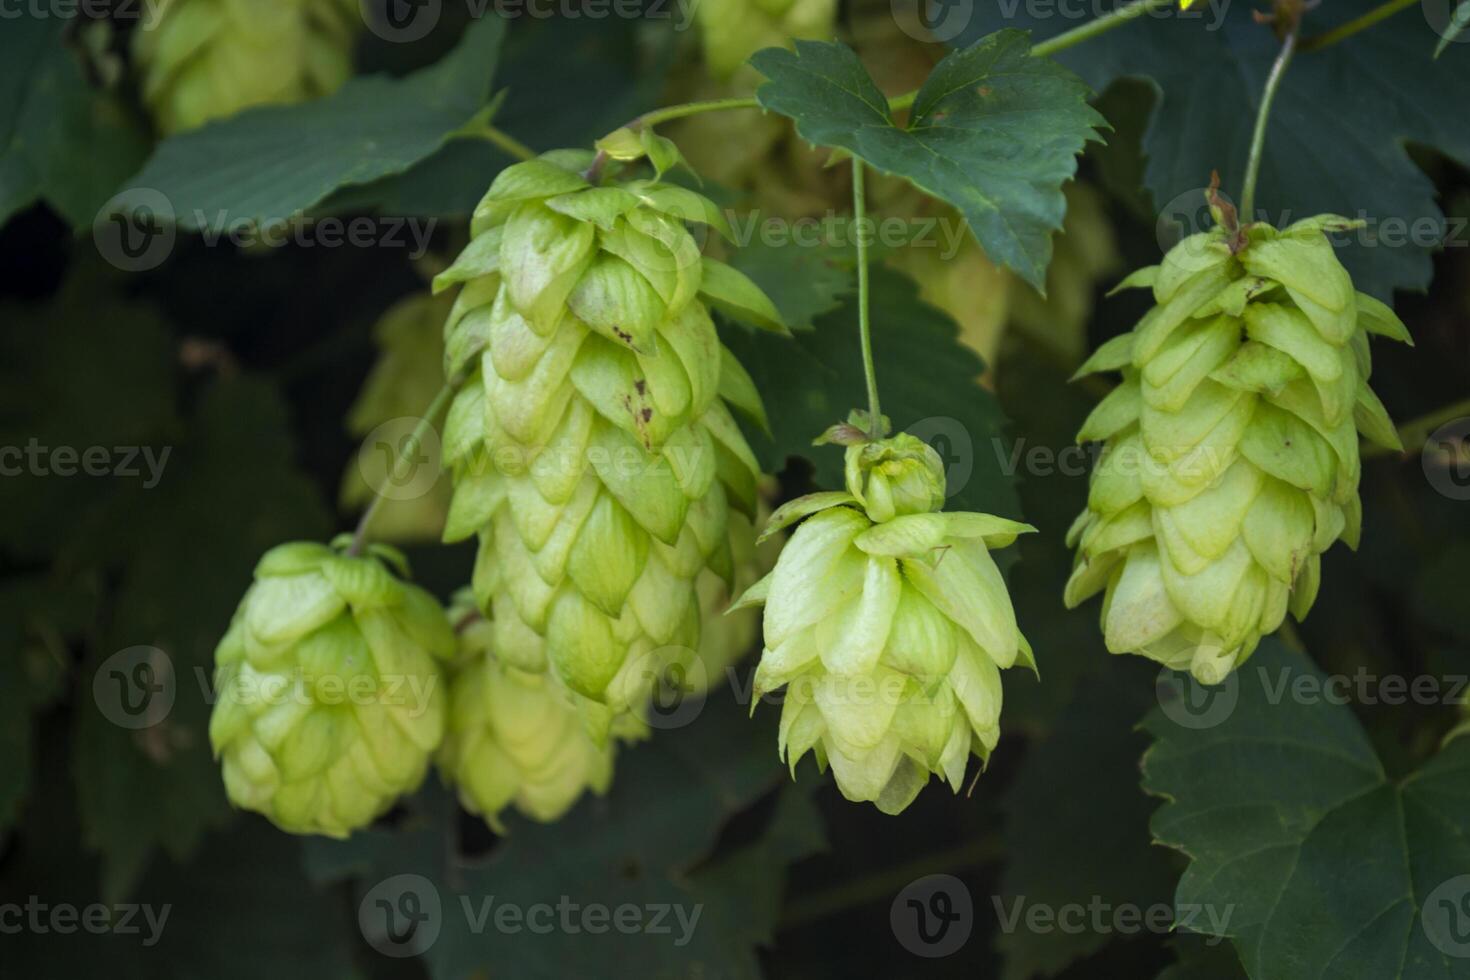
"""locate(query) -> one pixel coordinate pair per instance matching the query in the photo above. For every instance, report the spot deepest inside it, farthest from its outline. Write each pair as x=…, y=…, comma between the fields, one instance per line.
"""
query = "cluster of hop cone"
x=598, y=462
x=623, y=538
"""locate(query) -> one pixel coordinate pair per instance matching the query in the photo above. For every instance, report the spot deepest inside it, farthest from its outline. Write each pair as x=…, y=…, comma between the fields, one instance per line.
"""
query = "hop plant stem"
x=1258, y=138
x=408, y=451
x=865, y=329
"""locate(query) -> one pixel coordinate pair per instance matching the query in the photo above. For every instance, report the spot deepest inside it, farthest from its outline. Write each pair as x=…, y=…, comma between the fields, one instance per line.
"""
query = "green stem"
x=690, y=109
x=408, y=451
x=1416, y=433
x=1258, y=138
x=1101, y=25
x=1345, y=31
x=508, y=143
x=865, y=326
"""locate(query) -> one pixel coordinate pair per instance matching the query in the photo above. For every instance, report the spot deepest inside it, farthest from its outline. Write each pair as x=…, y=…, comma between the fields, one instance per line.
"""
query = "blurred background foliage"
x=258, y=369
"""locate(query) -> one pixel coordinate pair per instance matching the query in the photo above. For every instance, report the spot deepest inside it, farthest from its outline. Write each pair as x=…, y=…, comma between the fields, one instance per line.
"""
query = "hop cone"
x=889, y=623
x=592, y=448
x=206, y=59
x=329, y=700
x=733, y=30
x=1231, y=448
x=515, y=738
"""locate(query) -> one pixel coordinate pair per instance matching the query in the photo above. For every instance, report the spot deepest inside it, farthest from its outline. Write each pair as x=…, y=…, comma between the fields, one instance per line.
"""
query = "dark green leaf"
x=1302, y=849
x=1076, y=827
x=59, y=140
x=804, y=283
x=646, y=844
x=1210, y=63
x=266, y=164
x=994, y=131
x=187, y=548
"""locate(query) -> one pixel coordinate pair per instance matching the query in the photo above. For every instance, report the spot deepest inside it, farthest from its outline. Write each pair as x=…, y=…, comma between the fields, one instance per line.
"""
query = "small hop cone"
x=592, y=448
x=329, y=691
x=207, y=59
x=515, y=737
x=888, y=623
x=733, y=30
x=1230, y=459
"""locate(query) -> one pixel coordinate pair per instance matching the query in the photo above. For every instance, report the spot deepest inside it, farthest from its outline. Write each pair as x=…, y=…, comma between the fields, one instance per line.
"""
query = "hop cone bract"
x=591, y=445
x=1231, y=448
x=889, y=623
x=515, y=738
x=328, y=690
x=206, y=59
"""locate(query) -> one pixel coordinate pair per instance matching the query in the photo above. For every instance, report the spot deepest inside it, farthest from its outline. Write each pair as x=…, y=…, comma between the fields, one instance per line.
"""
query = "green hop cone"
x=889, y=634
x=515, y=738
x=207, y=59
x=1230, y=458
x=593, y=451
x=329, y=699
x=733, y=30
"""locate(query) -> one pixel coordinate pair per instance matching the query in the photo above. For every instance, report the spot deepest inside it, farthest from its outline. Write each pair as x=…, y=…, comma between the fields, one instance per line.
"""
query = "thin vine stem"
x=865, y=326
x=1258, y=138
x=1099, y=25
x=507, y=142
x=1344, y=31
x=406, y=452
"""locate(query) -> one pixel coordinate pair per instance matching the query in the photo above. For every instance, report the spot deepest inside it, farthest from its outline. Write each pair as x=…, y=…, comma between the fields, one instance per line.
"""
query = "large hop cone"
x=515, y=738
x=205, y=59
x=329, y=701
x=889, y=623
x=1231, y=448
x=592, y=448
